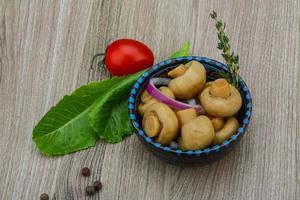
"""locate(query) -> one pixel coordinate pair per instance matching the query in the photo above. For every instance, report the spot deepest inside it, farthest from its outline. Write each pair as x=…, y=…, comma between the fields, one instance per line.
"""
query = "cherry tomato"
x=127, y=56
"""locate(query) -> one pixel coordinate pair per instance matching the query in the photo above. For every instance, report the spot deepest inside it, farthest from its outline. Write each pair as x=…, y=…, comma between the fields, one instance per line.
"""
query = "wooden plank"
x=46, y=49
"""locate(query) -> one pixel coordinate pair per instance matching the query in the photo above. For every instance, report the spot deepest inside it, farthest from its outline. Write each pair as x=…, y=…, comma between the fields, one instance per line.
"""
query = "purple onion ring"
x=153, y=91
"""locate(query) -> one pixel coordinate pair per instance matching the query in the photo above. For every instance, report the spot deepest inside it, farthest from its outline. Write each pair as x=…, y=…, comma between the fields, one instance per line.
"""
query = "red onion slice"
x=153, y=91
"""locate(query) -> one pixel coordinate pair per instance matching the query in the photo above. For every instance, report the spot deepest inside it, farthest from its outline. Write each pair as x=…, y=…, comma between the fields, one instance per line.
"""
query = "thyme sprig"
x=230, y=58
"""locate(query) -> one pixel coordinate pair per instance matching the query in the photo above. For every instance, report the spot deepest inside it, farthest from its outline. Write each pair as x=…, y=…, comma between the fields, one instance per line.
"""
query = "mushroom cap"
x=152, y=125
x=144, y=106
x=229, y=128
x=217, y=122
x=197, y=134
x=168, y=129
x=145, y=96
x=207, y=84
x=147, y=100
x=221, y=107
x=167, y=92
x=191, y=82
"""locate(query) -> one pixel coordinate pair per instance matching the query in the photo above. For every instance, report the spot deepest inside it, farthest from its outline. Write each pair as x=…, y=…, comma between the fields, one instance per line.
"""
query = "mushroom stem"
x=220, y=88
x=178, y=71
x=186, y=115
x=152, y=125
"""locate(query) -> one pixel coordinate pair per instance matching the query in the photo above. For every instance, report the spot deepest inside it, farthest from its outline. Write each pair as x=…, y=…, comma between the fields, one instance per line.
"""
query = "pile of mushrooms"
x=188, y=110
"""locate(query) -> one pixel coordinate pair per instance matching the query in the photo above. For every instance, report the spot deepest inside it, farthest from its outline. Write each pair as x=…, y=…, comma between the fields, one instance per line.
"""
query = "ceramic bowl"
x=190, y=157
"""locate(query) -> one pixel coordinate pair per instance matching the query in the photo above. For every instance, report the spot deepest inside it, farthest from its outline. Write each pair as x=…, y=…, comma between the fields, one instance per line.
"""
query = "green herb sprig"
x=230, y=58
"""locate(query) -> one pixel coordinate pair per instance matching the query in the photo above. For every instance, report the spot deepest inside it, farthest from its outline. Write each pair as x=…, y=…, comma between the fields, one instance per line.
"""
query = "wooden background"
x=46, y=48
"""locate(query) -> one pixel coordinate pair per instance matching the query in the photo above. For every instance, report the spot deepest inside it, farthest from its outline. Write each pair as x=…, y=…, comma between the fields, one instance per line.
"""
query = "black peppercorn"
x=90, y=190
x=44, y=196
x=97, y=185
x=86, y=171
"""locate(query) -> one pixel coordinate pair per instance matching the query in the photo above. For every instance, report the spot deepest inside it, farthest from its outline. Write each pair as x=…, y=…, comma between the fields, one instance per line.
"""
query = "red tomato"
x=127, y=56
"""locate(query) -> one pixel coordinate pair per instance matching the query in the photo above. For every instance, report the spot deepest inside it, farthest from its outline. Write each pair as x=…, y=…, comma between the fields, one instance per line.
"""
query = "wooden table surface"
x=46, y=49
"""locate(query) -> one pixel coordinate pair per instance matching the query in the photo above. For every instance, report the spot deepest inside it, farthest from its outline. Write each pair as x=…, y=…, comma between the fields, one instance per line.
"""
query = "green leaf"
x=109, y=115
x=65, y=127
x=99, y=109
x=225, y=56
x=213, y=14
x=218, y=25
x=229, y=57
x=236, y=59
x=223, y=75
x=183, y=51
x=220, y=45
x=226, y=39
x=220, y=37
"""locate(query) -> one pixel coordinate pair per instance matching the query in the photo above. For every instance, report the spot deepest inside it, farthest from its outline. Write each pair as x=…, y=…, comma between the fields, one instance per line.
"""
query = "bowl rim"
x=173, y=61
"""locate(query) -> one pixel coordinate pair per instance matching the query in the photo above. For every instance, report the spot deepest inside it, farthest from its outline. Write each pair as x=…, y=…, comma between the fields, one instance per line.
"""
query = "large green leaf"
x=109, y=114
x=65, y=127
x=98, y=109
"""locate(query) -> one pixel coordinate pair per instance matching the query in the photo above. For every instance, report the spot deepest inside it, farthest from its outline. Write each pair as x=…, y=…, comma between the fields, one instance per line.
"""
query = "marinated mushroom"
x=217, y=122
x=221, y=99
x=145, y=96
x=178, y=71
x=148, y=100
x=207, y=84
x=160, y=121
x=190, y=82
x=186, y=115
x=197, y=134
x=229, y=128
x=144, y=106
x=167, y=92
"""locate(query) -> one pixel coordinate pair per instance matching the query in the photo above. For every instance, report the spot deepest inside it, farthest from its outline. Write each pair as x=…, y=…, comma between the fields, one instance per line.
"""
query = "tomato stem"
x=100, y=64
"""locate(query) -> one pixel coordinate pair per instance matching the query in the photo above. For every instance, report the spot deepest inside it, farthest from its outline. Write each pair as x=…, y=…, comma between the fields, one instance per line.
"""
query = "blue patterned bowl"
x=178, y=156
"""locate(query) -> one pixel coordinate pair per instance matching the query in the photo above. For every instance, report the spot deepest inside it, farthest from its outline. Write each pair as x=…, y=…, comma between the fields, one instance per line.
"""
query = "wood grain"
x=45, y=52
